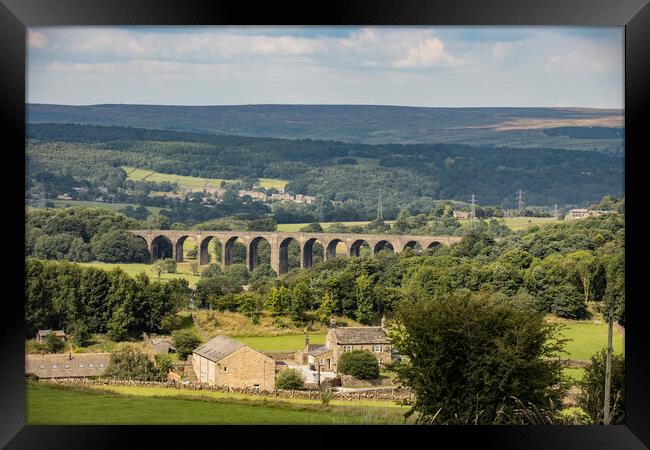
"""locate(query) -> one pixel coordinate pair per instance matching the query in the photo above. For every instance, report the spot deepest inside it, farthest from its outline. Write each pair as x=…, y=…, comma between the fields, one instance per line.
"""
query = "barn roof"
x=219, y=347
x=319, y=350
x=361, y=335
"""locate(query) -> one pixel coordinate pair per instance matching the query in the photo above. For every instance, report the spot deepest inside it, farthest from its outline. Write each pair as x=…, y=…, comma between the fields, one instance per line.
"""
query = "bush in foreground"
x=360, y=364
x=289, y=379
x=468, y=360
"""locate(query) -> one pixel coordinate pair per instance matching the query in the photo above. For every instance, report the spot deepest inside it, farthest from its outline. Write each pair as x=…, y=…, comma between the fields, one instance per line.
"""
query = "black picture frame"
x=16, y=15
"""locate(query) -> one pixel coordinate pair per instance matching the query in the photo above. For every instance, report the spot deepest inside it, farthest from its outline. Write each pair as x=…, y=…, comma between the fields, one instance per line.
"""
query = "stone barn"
x=223, y=361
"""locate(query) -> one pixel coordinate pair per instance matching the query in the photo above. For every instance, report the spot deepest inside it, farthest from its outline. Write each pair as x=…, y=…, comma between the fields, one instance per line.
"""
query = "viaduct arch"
x=279, y=243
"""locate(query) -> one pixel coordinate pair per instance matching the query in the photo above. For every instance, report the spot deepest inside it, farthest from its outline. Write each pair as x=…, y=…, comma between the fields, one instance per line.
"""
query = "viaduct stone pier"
x=279, y=243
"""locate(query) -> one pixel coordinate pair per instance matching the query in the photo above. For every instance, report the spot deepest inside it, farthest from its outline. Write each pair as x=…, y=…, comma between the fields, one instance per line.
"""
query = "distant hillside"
x=350, y=174
x=513, y=127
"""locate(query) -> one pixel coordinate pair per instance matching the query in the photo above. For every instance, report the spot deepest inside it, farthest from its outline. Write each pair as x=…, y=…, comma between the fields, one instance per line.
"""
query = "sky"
x=411, y=66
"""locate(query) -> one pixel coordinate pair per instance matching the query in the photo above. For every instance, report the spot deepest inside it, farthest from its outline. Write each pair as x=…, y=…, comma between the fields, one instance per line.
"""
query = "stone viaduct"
x=279, y=243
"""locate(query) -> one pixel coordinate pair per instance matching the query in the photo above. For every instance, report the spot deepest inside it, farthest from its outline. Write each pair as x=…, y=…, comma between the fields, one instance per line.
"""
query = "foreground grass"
x=65, y=405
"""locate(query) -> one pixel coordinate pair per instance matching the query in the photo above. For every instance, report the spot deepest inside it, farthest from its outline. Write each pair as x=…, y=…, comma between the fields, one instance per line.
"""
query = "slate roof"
x=219, y=347
x=319, y=350
x=360, y=335
x=64, y=365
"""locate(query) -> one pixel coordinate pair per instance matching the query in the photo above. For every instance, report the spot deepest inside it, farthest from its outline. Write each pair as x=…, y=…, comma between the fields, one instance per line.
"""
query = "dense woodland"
x=559, y=268
x=403, y=173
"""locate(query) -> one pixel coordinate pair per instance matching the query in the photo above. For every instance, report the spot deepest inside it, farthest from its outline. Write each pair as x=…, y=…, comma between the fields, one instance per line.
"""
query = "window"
x=42, y=366
x=91, y=365
x=347, y=348
x=55, y=366
x=66, y=366
x=81, y=366
x=322, y=362
x=225, y=369
x=377, y=348
x=101, y=364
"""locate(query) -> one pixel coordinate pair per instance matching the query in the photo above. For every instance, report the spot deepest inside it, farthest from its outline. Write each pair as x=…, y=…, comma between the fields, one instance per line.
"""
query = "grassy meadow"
x=188, y=182
x=101, y=205
x=65, y=405
x=182, y=271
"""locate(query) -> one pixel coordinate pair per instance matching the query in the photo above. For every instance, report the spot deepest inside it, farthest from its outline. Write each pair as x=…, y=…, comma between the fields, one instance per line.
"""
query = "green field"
x=289, y=342
x=110, y=206
x=136, y=174
x=587, y=339
x=294, y=227
x=65, y=405
x=133, y=269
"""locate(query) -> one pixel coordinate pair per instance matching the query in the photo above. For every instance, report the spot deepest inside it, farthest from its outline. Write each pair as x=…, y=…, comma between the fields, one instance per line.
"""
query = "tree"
x=326, y=308
x=194, y=267
x=466, y=358
x=53, y=343
x=238, y=273
x=360, y=364
x=289, y=379
x=251, y=306
x=365, y=299
x=585, y=265
x=591, y=399
x=169, y=265
x=129, y=363
x=301, y=300
x=119, y=246
x=313, y=227
x=171, y=322
x=185, y=342
x=567, y=301
x=208, y=289
x=79, y=334
x=278, y=301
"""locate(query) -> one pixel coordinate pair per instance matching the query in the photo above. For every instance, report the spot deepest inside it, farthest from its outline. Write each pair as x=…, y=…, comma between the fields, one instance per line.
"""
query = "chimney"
x=383, y=322
x=332, y=323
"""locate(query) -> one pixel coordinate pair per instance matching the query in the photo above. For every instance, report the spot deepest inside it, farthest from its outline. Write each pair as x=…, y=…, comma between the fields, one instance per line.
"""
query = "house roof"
x=55, y=332
x=217, y=348
x=319, y=350
x=360, y=335
x=54, y=364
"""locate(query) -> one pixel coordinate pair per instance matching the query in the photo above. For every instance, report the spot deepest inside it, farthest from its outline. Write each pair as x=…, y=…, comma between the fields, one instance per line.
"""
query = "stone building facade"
x=68, y=365
x=225, y=362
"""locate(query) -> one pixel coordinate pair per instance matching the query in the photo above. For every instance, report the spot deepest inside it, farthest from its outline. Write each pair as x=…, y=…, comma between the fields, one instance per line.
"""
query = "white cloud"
x=36, y=39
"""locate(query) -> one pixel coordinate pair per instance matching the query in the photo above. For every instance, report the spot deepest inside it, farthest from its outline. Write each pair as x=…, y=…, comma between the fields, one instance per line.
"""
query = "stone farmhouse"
x=71, y=365
x=223, y=361
x=346, y=339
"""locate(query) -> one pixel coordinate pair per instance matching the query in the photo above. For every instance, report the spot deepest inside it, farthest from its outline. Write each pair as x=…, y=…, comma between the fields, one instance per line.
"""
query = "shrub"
x=360, y=364
x=463, y=358
x=592, y=398
x=184, y=342
x=163, y=365
x=171, y=322
x=289, y=379
x=79, y=334
x=129, y=363
x=53, y=344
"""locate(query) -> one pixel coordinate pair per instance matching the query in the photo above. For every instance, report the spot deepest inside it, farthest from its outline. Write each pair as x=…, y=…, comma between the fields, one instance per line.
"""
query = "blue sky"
x=414, y=66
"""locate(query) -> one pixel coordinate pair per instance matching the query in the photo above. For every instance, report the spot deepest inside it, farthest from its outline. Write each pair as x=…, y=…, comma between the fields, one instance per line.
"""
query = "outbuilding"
x=223, y=361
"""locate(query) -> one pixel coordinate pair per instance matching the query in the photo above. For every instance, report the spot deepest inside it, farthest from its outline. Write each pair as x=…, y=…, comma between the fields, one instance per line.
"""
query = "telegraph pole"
x=556, y=213
x=608, y=366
